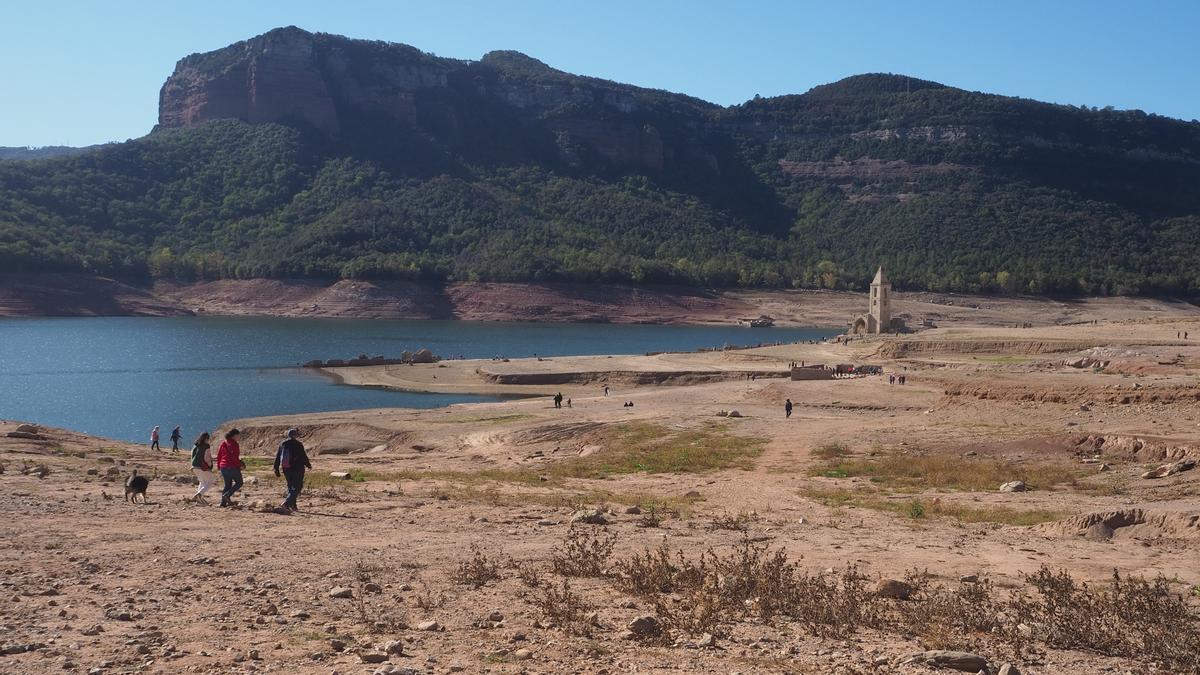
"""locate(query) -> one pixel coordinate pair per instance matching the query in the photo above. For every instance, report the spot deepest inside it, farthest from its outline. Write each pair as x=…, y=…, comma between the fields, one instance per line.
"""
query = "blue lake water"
x=120, y=376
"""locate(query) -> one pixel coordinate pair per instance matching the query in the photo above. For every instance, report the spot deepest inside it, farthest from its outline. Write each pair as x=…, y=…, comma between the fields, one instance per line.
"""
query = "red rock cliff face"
x=331, y=84
x=274, y=78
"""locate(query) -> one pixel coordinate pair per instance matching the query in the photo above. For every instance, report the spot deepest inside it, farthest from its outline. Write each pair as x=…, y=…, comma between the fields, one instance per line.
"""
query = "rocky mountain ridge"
x=309, y=155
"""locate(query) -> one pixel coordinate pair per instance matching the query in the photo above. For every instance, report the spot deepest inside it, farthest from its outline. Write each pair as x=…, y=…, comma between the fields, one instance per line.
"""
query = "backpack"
x=285, y=456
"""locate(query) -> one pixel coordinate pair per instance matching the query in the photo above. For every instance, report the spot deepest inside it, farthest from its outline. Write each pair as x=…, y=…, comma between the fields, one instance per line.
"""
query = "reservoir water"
x=119, y=376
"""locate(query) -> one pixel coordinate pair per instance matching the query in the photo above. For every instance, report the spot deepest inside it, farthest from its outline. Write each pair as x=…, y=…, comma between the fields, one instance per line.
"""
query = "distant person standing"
x=202, y=461
x=787, y=408
x=558, y=399
x=606, y=390
x=176, y=434
x=230, y=464
x=154, y=439
x=292, y=460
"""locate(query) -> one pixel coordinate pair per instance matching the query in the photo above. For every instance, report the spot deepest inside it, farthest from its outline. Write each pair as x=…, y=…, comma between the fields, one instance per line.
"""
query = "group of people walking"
x=176, y=434
x=291, y=461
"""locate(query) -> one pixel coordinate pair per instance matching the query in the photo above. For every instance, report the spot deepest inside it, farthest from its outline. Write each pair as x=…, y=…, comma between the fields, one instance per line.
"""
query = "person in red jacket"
x=229, y=462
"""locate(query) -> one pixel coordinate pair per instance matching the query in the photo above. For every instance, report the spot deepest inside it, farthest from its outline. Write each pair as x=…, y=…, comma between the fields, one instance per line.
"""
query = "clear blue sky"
x=82, y=72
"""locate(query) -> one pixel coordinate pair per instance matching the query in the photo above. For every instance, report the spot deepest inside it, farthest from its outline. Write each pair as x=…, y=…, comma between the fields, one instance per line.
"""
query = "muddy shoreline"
x=40, y=295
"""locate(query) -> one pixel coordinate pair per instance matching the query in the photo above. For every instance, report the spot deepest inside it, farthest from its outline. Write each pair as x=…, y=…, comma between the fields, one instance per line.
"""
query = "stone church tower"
x=878, y=318
x=881, y=303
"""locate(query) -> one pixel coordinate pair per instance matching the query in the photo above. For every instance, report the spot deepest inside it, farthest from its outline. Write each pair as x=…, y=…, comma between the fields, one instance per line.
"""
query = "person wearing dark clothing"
x=202, y=461
x=291, y=459
x=229, y=462
x=175, y=436
x=787, y=408
x=558, y=399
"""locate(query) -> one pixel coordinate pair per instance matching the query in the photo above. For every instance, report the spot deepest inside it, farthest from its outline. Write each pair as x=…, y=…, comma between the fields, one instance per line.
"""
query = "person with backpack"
x=292, y=460
x=154, y=439
x=176, y=434
x=230, y=464
x=202, y=461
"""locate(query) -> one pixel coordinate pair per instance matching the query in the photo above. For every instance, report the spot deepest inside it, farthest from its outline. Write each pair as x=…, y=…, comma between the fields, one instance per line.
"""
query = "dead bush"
x=739, y=523
x=427, y=599
x=478, y=570
x=834, y=604
x=652, y=516
x=565, y=609
x=651, y=572
x=1131, y=617
x=529, y=574
x=696, y=612
x=751, y=581
x=965, y=617
x=584, y=552
x=363, y=571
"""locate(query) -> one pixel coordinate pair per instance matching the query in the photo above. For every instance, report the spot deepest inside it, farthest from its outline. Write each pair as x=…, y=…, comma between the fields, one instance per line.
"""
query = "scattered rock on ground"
x=892, y=588
x=1171, y=469
x=941, y=658
x=644, y=625
x=1014, y=486
x=589, y=517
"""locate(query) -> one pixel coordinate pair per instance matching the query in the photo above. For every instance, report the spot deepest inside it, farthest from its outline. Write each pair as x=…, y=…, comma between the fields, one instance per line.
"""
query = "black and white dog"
x=136, y=485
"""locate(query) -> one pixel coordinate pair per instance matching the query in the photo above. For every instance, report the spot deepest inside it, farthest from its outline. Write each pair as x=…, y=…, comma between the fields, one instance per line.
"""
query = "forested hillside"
x=343, y=158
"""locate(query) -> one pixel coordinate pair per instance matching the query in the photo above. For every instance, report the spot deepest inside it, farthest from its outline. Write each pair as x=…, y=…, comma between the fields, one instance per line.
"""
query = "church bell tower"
x=881, y=303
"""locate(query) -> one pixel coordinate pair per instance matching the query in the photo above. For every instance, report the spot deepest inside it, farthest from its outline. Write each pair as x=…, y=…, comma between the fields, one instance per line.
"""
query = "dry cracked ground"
x=698, y=530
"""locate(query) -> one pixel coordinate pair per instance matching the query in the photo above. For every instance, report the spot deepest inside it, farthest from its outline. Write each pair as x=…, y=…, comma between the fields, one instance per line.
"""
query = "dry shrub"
x=835, y=604
x=377, y=620
x=750, y=582
x=958, y=618
x=739, y=523
x=427, y=599
x=1131, y=617
x=584, y=552
x=696, y=612
x=363, y=571
x=529, y=574
x=651, y=517
x=651, y=572
x=564, y=608
x=478, y=570
x=828, y=451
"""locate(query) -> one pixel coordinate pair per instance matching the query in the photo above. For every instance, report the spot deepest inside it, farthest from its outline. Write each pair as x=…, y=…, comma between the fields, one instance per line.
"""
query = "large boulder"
x=645, y=625
x=589, y=517
x=893, y=588
x=1186, y=464
x=941, y=658
x=423, y=355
